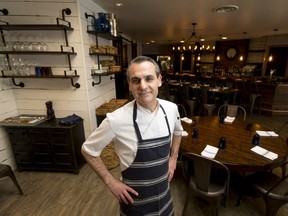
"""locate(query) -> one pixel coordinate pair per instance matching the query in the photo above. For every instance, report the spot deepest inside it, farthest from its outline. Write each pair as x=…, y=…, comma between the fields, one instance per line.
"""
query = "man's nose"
x=143, y=83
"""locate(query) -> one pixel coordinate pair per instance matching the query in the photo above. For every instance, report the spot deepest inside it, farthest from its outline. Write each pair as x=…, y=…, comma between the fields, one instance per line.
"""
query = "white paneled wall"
x=66, y=99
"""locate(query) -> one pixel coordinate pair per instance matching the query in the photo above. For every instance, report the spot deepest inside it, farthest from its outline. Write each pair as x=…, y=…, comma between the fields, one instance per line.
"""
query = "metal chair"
x=231, y=110
x=254, y=95
x=278, y=132
x=272, y=188
x=5, y=170
x=206, y=100
x=182, y=110
x=205, y=178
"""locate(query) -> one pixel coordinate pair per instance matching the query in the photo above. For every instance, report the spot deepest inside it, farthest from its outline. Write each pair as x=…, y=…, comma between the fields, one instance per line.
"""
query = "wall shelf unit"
x=21, y=84
x=117, y=43
x=61, y=25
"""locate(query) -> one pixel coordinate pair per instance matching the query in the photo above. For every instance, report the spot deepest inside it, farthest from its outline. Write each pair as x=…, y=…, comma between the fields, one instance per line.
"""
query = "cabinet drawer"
x=60, y=136
x=61, y=158
x=61, y=148
x=40, y=147
x=39, y=135
x=42, y=157
x=18, y=134
x=23, y=158
x=20, y=146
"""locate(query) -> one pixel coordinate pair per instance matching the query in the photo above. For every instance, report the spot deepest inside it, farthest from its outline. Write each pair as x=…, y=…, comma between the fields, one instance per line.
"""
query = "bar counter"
x=274, y=98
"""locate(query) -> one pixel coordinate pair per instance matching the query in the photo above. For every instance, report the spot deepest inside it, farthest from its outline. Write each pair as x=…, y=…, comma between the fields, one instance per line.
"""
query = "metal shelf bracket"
x=20, y=84
x=97, y=83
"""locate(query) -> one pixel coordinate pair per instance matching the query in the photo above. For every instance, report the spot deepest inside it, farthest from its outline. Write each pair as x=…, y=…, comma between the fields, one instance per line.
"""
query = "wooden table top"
x=237, y=155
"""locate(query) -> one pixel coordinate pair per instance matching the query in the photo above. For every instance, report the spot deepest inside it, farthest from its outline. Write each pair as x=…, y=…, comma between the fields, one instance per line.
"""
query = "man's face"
x=143, y=83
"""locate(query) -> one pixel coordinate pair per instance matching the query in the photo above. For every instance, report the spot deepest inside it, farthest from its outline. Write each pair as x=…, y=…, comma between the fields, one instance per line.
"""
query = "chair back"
x=204, y=171
x=182, y=110
x=272, y=188
x=231, y=110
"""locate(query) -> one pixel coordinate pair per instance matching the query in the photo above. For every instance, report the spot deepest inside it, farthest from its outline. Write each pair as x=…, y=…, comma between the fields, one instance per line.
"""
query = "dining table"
x=237, y=154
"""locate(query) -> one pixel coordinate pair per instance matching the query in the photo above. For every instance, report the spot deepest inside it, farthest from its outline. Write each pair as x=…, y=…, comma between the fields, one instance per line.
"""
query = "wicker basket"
x=109, y=157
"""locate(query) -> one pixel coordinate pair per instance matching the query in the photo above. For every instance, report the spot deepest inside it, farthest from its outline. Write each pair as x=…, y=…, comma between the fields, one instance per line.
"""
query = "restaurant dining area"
x=63, y=69
x=54, y=193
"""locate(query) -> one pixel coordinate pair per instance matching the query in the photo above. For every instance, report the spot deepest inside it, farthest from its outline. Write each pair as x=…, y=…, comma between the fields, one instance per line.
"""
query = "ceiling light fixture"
x=119, y=4
x=193, y=39
x=226, y=9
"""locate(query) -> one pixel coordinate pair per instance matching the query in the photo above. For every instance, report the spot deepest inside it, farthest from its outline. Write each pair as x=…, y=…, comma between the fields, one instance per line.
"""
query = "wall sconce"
x=218, y=58
x=241, y=58
x=198, y=58
x=182, y=57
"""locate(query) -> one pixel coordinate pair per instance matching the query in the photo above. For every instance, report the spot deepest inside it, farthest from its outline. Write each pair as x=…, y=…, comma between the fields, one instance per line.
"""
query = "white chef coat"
x=118, y=127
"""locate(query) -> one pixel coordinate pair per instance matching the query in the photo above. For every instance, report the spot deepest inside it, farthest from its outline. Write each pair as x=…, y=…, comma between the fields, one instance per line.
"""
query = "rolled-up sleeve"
x=99, y=139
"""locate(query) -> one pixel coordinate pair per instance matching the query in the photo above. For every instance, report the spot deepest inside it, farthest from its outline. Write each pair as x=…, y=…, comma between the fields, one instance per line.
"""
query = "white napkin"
x=184, y=133
x=209, y=151
x=266, y=133
x=229, y=119
x=187, y=120
x=264, y=152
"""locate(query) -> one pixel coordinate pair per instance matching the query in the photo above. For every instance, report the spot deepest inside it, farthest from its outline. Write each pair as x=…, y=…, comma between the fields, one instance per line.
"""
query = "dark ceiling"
x=169, y=21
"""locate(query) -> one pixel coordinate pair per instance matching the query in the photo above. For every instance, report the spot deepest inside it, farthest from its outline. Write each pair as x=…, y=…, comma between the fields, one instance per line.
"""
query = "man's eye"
x=149, y=78
x=135, y=81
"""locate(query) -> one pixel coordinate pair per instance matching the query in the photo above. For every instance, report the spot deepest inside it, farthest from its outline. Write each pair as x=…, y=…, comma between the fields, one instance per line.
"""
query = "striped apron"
x=148, y=175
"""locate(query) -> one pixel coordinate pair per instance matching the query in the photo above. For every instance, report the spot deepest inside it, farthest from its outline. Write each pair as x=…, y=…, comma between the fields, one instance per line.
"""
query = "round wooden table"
x=237, y=155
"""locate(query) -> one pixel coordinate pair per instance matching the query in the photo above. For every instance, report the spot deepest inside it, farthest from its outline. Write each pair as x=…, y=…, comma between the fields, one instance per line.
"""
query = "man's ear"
x=159, y=80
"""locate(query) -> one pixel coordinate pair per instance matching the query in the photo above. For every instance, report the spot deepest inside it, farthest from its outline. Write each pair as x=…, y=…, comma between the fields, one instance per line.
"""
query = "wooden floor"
x=56, y=194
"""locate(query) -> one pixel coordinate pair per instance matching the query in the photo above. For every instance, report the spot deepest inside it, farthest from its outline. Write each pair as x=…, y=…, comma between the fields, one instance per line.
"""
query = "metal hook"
x=76, y=85
x=97, y=83
x=65, y=11
x=21, y=84
x=4, y=11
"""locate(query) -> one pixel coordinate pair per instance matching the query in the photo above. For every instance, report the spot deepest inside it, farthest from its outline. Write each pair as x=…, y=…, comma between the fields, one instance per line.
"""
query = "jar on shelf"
x=113, y=24
x=102, y=24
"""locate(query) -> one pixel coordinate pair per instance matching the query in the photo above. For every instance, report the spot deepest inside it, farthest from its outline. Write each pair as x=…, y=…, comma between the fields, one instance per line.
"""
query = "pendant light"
x=241, y=58
x=270, y=58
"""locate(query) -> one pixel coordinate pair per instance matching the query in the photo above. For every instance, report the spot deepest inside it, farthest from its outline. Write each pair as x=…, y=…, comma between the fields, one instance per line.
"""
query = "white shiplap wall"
x=66, y=99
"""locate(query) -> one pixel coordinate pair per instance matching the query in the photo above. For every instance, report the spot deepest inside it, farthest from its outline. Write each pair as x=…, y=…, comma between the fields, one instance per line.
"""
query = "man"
x=146, y=133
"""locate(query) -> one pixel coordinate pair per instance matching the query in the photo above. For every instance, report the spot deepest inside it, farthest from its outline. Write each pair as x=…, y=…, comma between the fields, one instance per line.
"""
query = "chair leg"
x=214, y=205
x=272, y=206
x=184, y=212
x=253, y=97
x=283, y=171
x=12, y=176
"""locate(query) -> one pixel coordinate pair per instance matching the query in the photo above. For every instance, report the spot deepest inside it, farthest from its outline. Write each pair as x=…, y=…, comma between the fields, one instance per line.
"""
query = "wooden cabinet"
x=48, y=146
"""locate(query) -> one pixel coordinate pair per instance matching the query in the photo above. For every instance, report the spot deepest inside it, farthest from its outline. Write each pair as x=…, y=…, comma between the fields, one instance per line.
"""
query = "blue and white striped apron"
x=148, y=175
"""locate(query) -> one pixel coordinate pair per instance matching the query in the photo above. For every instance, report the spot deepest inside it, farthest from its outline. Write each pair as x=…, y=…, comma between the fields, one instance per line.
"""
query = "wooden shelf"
x=38, y=52
x=105, y=54
x=104, y=74
x=43, y=77
x=21, y=84
x=35, y=27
